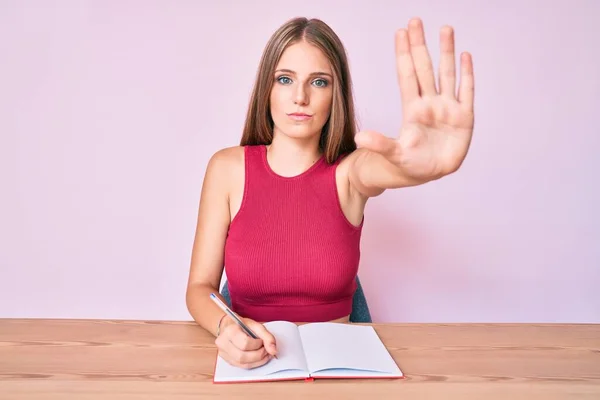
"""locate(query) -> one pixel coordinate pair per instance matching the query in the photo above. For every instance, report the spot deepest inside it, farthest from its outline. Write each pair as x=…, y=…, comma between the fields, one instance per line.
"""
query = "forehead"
x=304, y=58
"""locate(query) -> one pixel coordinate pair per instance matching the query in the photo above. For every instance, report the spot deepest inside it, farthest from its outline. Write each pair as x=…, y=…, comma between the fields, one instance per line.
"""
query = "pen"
x=228, y=311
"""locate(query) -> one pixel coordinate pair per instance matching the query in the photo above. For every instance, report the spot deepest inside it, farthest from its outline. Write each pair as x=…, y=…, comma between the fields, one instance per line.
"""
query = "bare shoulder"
x=228, y=157
x=345, y=170
x=346, y=163
x=351, y=200
x=225, y=164
x=351, y=167
x=225, y=175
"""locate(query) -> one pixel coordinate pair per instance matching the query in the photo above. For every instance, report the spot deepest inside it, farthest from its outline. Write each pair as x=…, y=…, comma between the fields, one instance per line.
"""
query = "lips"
x=299, y=117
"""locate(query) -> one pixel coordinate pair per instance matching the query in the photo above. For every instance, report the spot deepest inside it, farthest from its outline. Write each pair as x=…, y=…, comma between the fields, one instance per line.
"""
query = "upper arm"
x=213, y=222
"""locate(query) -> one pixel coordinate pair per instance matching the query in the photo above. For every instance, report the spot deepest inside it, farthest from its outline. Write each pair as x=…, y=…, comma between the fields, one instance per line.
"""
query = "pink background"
x=109, y=111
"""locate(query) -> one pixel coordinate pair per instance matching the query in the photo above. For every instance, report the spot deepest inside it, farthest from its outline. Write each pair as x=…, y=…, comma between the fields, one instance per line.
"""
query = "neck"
x=289, y=157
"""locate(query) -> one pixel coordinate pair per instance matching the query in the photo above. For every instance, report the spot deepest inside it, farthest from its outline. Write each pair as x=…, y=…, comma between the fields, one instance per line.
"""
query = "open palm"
x=437, y=122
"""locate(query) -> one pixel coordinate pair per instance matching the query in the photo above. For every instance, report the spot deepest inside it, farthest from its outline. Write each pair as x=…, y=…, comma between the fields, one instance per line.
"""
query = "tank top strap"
x=254, y=164
x=253, y=155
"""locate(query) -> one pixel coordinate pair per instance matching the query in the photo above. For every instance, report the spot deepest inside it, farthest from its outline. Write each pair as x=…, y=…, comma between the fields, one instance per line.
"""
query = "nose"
x=301, y=96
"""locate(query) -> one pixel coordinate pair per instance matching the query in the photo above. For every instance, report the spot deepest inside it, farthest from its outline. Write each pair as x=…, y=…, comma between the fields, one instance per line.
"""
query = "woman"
x=284, y=210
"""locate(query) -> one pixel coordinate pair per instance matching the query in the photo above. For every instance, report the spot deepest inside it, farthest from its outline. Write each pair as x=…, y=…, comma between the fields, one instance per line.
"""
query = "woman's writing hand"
x=241, y=350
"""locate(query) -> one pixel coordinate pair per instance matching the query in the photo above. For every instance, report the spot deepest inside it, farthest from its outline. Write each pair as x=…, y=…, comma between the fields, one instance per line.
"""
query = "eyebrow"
x=289, y=71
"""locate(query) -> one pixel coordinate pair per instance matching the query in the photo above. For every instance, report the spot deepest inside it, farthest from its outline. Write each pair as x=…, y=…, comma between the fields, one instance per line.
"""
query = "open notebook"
x=317, y=350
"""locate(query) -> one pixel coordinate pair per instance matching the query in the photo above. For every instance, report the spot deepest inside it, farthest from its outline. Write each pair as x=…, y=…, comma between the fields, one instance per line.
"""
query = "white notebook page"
x=346, y=346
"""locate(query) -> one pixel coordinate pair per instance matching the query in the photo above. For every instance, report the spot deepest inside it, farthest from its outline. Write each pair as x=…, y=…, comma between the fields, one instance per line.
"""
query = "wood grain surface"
x=107, y=359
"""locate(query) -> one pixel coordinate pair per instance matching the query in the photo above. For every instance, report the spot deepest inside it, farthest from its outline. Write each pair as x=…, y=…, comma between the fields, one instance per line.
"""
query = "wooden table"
x=98, y=359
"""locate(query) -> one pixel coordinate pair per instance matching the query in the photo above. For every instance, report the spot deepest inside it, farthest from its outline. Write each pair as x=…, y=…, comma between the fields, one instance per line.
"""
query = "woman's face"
x=302, y=92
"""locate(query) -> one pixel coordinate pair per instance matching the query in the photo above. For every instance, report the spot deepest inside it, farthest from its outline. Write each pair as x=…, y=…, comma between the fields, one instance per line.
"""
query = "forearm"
x=371, y=174
x=201, y=307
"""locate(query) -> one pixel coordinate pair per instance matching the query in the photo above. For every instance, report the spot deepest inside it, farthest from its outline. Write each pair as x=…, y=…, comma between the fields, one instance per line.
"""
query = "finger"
x=260, y=362
x=243, y=356
x=407, y=78
x=376, y=142
x=226, y=345
x=421, y=58
x=466, y=89
x=447, y=70
x=254, y=364
x=241, y=340
x=268, y=340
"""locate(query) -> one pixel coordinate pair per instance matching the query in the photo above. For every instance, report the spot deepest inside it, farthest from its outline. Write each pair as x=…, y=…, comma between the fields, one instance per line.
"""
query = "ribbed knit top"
x=290, y=252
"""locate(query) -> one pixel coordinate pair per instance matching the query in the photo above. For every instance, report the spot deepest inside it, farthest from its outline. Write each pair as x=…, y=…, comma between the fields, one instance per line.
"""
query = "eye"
x=320, y=82
x=284, y=80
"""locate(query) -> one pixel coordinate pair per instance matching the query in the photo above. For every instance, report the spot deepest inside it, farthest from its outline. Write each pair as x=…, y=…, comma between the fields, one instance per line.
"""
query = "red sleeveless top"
x=290, y=252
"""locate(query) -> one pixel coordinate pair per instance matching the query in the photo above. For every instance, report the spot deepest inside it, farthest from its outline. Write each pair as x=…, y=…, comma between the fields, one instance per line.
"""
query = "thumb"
x=376, y=142
x=267, y=337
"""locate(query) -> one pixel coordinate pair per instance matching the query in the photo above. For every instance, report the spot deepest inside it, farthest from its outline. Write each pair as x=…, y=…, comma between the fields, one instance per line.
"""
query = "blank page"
x=338, y=346
x=290, y=360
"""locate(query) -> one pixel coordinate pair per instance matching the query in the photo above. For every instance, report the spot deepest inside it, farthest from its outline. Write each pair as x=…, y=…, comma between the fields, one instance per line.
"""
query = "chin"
x=300, y=132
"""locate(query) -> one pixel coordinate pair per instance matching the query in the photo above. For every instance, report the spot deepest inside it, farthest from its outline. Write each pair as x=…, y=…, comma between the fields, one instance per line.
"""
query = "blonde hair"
x=337, y=136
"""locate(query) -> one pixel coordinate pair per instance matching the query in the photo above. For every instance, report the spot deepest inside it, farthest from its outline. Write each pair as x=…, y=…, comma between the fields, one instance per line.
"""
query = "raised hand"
x=437, y=123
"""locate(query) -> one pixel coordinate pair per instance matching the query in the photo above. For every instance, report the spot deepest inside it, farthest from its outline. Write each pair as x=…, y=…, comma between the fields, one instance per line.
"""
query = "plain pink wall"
x=109, y=112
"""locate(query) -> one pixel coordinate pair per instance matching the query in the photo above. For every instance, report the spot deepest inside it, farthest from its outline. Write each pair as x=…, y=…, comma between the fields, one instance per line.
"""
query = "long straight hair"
x=337, y=135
